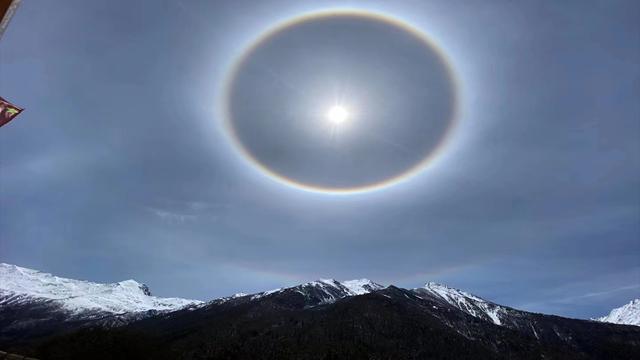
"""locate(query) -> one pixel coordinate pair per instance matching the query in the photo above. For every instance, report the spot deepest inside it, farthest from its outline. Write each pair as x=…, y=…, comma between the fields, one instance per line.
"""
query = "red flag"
x=8, y=111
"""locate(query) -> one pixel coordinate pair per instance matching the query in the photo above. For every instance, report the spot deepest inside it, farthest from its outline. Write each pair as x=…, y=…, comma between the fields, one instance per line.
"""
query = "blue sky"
x=119, y=168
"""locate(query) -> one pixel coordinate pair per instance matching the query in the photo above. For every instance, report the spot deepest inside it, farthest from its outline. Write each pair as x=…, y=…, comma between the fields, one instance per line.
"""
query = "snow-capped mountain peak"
x=324, y=291
x=361, y=286
x=19, y=285
x=469, y=303
x=628, y=314
x=449, y=293
x=345, y=288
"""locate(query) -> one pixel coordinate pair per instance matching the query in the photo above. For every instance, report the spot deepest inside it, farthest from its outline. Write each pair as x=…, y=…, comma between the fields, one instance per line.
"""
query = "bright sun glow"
x=337, y=114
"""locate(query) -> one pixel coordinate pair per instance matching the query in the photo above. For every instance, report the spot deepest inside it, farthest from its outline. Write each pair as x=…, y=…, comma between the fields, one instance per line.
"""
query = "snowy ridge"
x=21, y=285
x=469, y=303
x=361, y=286
x=628, y=314
x=325, y=291
x=350, y=287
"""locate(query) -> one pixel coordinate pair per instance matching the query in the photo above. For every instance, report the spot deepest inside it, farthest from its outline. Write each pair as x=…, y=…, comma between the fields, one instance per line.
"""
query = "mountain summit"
x=627, y=314
x=325, y=291
x=35, y=304
x=22, y=285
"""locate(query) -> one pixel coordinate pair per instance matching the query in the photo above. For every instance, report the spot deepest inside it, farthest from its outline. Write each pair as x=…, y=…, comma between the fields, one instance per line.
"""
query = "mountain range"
x=50, y=317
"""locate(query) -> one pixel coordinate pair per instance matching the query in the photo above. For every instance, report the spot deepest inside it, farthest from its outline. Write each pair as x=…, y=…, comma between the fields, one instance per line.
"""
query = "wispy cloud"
x=571, y=299
x=181, y=212
x=577, y=298
x=173, y=217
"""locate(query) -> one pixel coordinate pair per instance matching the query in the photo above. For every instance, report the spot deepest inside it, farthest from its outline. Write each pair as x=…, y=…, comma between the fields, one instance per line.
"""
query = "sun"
x=337, y=114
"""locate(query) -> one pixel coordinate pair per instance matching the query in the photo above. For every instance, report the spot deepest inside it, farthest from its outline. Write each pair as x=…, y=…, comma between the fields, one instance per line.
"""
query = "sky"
x=120, y=168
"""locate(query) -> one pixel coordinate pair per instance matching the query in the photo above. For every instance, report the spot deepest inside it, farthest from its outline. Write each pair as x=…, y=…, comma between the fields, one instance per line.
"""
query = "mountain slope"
x=21, y=284
x=34, y=304
x=547, y=328
x=627, y=314
x=391, y=323
x=470, y=304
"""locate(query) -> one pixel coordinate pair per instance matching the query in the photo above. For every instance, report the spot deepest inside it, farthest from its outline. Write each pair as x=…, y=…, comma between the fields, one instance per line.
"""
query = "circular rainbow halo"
x=405, y=114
